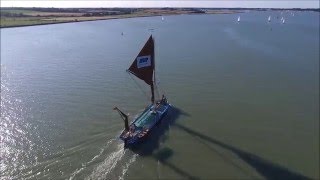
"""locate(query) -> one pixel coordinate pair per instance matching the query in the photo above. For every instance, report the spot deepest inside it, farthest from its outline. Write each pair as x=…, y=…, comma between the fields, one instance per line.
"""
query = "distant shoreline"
x=20, y=17
x=93, y=19
x=42, y=16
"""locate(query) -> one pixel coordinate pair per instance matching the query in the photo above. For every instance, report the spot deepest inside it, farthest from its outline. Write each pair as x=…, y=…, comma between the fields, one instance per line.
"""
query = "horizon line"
x=164, y=7
x=281, y=4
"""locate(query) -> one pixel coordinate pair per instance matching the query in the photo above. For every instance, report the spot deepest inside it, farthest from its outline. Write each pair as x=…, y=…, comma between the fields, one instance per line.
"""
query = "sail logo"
x=143, y=61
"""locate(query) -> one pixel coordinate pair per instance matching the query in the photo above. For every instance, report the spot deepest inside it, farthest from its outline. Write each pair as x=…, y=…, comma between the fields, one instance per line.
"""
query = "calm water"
x=245, y=98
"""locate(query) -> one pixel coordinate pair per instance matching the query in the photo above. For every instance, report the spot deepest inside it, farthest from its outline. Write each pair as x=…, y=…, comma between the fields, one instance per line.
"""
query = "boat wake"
x=115, y=165
x=112, y=161
x=96, y=157
x=126, y=166
x=102, y=171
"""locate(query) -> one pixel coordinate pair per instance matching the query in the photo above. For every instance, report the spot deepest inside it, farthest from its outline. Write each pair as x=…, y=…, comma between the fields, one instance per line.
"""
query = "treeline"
x=70, y=10
x=104, y=13
x=65, y=10
x=11, y=14
x=10, y=11
x=14, y=12
x=266, y=9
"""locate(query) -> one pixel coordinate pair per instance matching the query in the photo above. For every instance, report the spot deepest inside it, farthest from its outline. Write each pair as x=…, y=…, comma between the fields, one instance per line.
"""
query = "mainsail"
x=143, y=66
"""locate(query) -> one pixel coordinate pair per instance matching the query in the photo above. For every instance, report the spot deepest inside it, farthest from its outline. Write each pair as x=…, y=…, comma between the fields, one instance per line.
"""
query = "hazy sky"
x=162, y=3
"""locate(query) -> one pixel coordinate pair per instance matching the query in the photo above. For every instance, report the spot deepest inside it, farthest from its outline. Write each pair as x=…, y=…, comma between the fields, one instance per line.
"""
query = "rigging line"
x=137, y=84
x=158, y=94
x=157, y=88
x=162, y=90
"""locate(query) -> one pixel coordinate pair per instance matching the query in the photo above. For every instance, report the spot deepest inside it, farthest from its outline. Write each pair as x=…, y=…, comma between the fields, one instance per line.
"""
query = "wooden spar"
x=124, y=117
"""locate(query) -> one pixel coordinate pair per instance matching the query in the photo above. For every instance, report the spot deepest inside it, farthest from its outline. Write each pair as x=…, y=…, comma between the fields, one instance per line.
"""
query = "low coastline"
x=75, y=21
x=20, y=17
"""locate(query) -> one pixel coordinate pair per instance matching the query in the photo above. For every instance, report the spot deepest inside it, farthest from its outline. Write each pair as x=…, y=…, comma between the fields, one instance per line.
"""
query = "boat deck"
x=141, y=126
x=147, y=118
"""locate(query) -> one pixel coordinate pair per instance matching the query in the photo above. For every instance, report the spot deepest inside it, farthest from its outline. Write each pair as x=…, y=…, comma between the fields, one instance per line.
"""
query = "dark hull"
x=143, y=125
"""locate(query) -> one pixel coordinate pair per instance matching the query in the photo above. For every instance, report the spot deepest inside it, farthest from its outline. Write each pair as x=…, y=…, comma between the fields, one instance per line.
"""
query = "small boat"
x=143, y=67
x=269, y=19
x=239, y=19
x=283, y=20
x=162, y=18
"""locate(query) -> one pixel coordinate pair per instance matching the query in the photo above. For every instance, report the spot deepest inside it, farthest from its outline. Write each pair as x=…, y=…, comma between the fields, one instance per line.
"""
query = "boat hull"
x=143, y=125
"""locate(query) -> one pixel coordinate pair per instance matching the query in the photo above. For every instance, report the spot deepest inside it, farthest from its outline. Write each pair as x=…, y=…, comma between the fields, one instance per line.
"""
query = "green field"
x=18, y=11
x=15, y=17
x=26, y=21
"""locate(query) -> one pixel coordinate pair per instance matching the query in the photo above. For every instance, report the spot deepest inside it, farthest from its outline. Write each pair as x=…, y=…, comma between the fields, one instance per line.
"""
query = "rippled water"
x=245, y=98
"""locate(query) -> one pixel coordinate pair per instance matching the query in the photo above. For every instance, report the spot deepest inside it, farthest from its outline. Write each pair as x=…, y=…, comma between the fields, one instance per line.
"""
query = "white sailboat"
x=162, y=18
x=283, y=21
x=269, y=18
x=239, y=19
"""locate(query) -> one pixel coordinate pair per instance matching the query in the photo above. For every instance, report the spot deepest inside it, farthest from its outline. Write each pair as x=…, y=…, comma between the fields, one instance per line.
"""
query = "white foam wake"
x=84, y=165
x=102, y=171
x=126, y=166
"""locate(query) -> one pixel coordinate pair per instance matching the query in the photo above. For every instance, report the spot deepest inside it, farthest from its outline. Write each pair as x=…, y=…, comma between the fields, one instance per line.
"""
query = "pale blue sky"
x=163, y=3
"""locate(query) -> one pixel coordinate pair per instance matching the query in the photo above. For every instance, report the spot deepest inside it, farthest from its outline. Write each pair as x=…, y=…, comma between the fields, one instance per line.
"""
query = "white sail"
x=239, y=19
x=162, y=18
x=269, y=18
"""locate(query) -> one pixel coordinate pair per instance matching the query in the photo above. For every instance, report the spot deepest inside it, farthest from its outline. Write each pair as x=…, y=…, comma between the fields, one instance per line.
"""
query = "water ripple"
x=16, y=145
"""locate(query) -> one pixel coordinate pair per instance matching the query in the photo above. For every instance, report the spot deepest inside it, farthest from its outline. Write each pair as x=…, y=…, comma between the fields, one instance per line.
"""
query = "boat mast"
x=154, y=73
x=152, y=93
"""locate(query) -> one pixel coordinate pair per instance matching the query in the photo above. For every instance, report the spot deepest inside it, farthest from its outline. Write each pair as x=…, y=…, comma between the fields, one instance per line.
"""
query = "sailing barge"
x=143, y=67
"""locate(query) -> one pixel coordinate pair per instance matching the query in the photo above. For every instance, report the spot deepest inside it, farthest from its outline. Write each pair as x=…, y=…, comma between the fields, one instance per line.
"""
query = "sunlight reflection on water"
x=16, y=145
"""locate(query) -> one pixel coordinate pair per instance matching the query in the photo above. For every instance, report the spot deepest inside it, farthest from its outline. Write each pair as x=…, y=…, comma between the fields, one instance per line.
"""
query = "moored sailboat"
x=143, y=67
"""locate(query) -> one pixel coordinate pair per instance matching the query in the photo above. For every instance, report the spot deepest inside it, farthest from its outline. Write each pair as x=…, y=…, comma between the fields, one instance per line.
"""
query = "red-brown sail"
x=143, y=65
